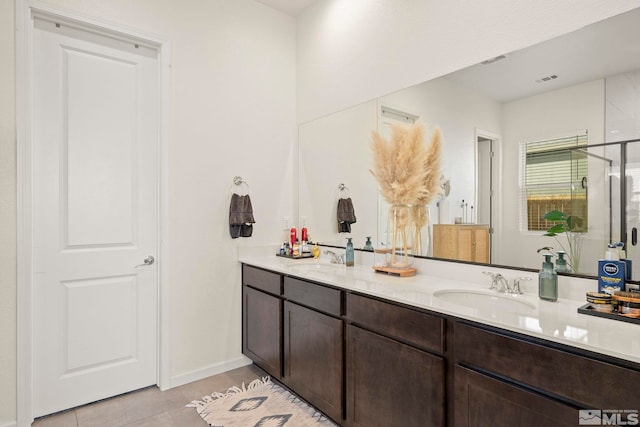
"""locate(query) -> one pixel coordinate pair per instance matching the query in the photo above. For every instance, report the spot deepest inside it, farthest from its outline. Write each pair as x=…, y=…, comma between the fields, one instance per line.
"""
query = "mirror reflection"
x=524, y=134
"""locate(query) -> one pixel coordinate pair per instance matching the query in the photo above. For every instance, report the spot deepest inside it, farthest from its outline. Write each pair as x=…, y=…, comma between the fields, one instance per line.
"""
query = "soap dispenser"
x=547, y=278
x=561, y=263
x=368, y=246
x=350, y=253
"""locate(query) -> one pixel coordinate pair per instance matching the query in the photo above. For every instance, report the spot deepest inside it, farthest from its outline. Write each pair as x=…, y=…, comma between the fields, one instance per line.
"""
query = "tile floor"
x=150, y=406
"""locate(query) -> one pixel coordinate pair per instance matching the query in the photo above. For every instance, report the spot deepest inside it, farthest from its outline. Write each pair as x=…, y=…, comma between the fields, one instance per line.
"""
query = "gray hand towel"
x=346, y=215
x=240, y=216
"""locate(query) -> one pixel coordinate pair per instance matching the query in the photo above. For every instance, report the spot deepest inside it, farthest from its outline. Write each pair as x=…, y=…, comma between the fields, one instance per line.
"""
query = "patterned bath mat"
x=261, y=404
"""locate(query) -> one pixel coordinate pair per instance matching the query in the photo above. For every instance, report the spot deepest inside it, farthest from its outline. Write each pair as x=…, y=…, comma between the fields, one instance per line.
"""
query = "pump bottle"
x=561, y=263
x=349, y=256
x=548, y=280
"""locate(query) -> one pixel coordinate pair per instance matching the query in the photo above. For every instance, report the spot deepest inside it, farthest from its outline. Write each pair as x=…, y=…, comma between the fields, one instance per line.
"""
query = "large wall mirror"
x=549, y=127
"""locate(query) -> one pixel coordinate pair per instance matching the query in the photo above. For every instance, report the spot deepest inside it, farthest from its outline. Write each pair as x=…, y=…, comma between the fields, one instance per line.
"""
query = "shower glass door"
x=631, y=205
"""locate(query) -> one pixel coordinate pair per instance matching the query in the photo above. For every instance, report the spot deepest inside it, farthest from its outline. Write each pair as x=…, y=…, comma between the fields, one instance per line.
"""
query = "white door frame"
x=25, y=11
x=497, y=187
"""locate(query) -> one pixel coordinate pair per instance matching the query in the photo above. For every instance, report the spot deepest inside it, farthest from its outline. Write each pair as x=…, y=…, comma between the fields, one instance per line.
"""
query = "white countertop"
x=553, y=321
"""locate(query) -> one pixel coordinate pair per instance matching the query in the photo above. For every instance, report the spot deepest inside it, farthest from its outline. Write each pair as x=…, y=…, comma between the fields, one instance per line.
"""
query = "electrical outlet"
x=286, y=223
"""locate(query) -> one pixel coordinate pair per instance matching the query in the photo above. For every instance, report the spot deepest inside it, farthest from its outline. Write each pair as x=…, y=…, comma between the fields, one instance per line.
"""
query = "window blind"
x=552, y=175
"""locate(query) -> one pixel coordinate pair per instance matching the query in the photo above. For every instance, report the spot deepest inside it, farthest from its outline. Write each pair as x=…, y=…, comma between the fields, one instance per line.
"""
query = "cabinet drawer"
x=413, y=327
x=262, y=279
x=592, y=383
x=319, y=297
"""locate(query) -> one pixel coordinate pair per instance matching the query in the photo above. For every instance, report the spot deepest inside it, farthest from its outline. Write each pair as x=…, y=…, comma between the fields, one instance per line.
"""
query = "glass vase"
x=399, y=236
x=420, y=225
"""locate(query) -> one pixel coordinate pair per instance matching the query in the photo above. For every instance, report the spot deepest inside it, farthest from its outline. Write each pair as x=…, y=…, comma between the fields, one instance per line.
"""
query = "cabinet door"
x=392, y=384
x=466, y=244
x=481, y=244
x=262, y=330
x=485, y=401
x=445, y=241
x=313, y=345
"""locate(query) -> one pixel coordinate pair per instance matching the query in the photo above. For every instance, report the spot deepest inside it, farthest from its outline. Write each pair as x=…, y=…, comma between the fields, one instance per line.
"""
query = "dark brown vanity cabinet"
x=368, y=362
x=505, y=379
x=395, y=375
x=262, y=319
x=313, y=344
x=293, y=329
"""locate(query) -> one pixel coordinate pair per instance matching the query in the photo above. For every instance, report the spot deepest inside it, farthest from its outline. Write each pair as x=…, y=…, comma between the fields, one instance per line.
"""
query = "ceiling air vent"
x=492, y=60
x=547, y=79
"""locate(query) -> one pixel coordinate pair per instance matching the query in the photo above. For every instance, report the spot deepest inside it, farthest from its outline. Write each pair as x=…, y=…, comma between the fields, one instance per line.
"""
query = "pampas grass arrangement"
x=408, y=173
x=431, y=186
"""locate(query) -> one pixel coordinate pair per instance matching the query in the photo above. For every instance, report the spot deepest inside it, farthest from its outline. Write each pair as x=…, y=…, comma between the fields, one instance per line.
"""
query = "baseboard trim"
x=208, y=371
x=10, y=424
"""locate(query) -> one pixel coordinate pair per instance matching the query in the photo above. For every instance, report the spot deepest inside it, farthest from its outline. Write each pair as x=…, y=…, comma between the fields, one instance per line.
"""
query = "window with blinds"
x=553, y=177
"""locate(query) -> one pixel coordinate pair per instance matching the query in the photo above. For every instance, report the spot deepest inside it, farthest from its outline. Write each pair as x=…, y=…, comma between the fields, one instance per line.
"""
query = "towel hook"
x=343, y=189
x=238, y=181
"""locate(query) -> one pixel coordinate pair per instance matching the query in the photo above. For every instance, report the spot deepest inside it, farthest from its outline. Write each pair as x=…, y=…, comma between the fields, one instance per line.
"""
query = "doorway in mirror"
x=487, y=179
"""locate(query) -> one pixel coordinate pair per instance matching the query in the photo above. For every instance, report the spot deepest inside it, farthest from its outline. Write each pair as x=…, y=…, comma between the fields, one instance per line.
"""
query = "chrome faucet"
x=498, y=282
x=516, y=286
x=335, y=258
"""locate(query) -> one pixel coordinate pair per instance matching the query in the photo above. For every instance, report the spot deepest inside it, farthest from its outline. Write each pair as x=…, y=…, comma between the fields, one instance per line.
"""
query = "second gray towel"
x=346, y=215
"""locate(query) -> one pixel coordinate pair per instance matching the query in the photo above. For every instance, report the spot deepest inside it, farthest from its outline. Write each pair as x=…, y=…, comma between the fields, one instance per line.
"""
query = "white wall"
x=233, y=113
x=354, y=51
x=553, y=114
x=623, y=107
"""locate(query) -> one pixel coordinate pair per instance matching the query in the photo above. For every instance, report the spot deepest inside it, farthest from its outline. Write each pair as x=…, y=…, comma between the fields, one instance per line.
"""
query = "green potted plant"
x=573, y=229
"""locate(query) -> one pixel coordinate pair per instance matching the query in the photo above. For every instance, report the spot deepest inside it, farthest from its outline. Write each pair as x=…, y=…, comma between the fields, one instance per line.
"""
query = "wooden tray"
x=401, y=272
x=586, y=309
x=304, y=255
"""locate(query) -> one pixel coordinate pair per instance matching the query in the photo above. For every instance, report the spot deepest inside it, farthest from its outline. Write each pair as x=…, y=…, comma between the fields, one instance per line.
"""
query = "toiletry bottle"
x=368, y=246
x=350, y=253
x=561, y=263
x=293, y=235
x=611, y=271
x=304, y=238
x=548, y=280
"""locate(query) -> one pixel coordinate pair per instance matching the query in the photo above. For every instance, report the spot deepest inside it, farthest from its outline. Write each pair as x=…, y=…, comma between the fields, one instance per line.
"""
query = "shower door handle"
x=634, y=236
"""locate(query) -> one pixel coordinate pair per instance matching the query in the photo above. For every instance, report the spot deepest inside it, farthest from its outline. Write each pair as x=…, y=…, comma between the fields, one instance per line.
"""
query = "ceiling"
x=606, y=48
x=290, y=7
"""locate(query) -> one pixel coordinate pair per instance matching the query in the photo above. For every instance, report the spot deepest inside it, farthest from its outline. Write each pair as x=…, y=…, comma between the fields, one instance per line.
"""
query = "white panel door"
x=95, y=114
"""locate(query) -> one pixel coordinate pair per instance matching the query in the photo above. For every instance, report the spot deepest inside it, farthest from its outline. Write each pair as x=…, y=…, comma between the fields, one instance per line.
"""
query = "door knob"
x=147, y=261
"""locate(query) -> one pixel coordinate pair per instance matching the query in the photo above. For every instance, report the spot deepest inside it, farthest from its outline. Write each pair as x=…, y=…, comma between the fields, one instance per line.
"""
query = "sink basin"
x=486, y=301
